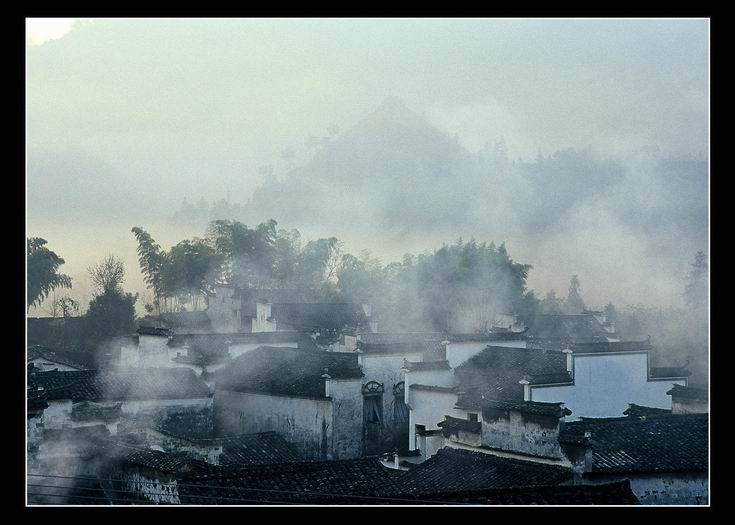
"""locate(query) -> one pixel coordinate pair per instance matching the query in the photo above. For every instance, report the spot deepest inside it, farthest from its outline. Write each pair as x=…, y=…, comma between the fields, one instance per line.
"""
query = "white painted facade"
x=604, y=385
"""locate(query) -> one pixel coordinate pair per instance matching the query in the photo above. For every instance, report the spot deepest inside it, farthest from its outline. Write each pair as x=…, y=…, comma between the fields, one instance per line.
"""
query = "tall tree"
x=695, y=293
x=574, y=303
x=43, y=271
x=108, y=274
x=151, y=259
x=112, y=311
x=551, y=304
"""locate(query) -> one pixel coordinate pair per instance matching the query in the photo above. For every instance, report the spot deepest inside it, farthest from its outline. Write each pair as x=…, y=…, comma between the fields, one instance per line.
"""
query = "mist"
x=581, y=144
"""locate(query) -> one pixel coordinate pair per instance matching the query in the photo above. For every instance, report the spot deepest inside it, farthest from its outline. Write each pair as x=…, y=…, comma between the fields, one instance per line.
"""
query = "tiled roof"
x=254, y=449
x=689, y=392
x=574, y=328
x=287, y=371
x=55, y=332
x=179, y=321
x=611, y=346
x=218, y=344
x=101, y=385
x=302, y=482
x=453, y=470
x=668, y=443
x=634, y=410
x=417, y=366
x=87, y=411
x=400, y=337
x=433, y=388
x=429, y=349
x=451, y=424
x=487, y=337
x=665, y=372
x=154, y=330
x=73, y=358
x=495, y=371
x=329, y=316
x=527, y=407
x=174, y=463
x=618, y=493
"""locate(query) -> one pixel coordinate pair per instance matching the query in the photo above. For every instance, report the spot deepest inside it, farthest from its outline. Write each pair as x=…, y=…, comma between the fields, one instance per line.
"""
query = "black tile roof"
x=154, y=330
x=263, y=448
x=88, y=411
x=573, y=328
x=611, y=347
x=689, y=392
x=55, y=332
x=495, y=371
x=666, y=443
x=173, y=463
x=634, y=410
x=431, y=350
x=666, y=372
x=182, y=321
x=286, y=371
x=64, y=356
x=434, y=388
x=488, y=337
x=452, y=470
x=218, y=344
x=303, y=482
x=102, y=385
x=328, y=316
x=454, y=424
x=400, y=337
x=417, y=366
x=527, y=407
x=618, y=493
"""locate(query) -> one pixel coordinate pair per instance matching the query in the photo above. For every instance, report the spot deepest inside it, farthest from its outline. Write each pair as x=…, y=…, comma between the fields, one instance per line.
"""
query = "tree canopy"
x=43, y=271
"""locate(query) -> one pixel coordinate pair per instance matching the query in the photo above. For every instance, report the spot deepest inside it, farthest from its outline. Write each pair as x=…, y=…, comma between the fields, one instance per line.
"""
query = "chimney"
x=327, y=383
x=570, y=359
x=396, y=462
x=526, y=388
x=359, y=353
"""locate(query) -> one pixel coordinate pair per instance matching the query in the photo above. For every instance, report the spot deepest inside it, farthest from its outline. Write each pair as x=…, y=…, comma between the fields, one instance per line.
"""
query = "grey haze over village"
x=336, y=240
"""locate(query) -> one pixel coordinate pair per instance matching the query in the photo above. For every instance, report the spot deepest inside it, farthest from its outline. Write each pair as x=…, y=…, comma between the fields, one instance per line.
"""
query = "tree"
x=108, y=274
x=111, y=314
x=551, y=304
x=574, y=303
x=112, y=311
x=151, y=259
x=611, y=315
x=43, y=271
x=67, y=306
x=695, y=293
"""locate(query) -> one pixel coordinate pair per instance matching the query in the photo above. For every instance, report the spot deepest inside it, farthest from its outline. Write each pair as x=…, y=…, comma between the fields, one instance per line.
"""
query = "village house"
x=665, y=457
x=231, y=309
x=91, y=398
x=557, y=331
x=310, y=397
x=689, y=399
x=201, y=352
x=45, y=359
x=592, y=379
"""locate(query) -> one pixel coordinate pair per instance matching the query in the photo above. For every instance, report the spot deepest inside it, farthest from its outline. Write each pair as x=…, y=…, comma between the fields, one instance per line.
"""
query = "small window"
x=472, y=417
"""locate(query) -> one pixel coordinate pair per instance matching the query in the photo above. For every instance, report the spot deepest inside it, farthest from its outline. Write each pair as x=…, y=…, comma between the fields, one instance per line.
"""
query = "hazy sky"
x=128, y=117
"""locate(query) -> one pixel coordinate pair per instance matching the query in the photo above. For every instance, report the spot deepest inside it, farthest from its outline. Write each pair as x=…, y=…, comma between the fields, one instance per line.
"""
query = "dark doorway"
x=372, y=393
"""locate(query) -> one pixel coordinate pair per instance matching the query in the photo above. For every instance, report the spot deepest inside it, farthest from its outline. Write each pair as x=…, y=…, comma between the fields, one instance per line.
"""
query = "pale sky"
x=127, y=117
